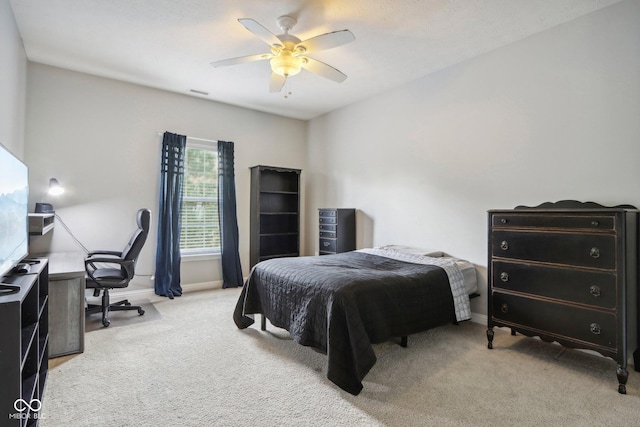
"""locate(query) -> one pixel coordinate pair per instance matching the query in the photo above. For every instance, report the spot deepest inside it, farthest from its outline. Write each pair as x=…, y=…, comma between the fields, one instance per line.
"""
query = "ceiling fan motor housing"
x=286, y=23
x=286, y=61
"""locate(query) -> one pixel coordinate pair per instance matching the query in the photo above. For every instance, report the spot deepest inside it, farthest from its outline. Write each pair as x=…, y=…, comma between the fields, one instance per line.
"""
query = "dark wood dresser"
x=337, y=228
x=567, y=272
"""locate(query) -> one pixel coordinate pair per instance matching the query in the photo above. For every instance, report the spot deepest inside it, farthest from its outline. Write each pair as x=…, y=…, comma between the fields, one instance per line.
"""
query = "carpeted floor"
x=190, y=366
x=123, y=318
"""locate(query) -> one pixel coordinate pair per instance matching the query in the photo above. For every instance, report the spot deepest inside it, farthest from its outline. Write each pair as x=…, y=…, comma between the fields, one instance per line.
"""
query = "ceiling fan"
x=288, y=52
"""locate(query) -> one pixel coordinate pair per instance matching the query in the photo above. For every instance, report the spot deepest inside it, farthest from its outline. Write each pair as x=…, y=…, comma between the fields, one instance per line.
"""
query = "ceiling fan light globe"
x=286, y=64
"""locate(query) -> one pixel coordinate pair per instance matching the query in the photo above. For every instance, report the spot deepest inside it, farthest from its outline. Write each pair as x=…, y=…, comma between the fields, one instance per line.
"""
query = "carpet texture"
x=123, y=318
x=191, y=366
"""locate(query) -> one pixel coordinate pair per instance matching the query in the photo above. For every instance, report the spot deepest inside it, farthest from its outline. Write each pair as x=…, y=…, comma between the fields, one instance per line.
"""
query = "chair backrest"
x=133, y=248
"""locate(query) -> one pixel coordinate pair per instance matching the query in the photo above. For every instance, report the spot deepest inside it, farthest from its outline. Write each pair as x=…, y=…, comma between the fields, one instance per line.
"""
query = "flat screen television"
x=14, y=221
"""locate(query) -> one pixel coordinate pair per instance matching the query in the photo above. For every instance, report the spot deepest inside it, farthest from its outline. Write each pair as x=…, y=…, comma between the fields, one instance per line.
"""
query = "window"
x=200, y=232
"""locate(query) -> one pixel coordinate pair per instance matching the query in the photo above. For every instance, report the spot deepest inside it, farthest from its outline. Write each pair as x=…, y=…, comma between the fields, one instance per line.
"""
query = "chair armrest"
x=118, y=261
x=127, y=264
x=104, y=252
x=95, y=256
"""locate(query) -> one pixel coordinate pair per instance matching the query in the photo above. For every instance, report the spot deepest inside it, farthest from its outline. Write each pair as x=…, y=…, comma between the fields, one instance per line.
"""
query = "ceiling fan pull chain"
x=287, y=89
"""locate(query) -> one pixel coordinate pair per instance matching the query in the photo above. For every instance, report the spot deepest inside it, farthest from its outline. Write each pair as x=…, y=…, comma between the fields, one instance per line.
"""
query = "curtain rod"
x=195, y=139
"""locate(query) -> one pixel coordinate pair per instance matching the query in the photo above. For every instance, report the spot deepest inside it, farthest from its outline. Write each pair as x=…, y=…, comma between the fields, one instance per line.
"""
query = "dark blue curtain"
x=167, y=281
x=231, y=269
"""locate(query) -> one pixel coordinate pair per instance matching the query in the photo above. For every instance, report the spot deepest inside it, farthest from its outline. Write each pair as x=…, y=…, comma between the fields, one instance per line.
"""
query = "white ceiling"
x=168, y=44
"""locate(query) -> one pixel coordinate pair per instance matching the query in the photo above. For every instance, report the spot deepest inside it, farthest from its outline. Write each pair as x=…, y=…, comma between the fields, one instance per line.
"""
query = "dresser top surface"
x=569, y=206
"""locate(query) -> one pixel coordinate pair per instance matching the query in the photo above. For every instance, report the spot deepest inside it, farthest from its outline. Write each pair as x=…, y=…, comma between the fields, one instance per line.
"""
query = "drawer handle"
x=504, y=276
x=595, y=328
x=504, y=308
x=504, y=220
x=325, y=243
x=504, y=245
x=594, y=290
x=595, y=223
x=594, y=253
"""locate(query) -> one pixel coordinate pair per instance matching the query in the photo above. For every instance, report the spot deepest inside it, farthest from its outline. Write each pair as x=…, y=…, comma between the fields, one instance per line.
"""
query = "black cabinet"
x=337, y=230
x=24, y=354
x=275, y=213
x=567, y=272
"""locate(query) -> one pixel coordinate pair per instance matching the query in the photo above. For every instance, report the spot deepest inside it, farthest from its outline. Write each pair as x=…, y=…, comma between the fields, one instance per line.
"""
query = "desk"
x=66, y=303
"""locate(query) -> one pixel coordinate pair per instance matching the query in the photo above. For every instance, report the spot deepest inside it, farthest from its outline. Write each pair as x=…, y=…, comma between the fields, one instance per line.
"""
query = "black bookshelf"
x=24, y=347
x=275, y=213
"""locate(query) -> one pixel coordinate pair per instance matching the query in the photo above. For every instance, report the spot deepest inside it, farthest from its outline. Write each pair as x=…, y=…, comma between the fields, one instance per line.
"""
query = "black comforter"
x=342, y=304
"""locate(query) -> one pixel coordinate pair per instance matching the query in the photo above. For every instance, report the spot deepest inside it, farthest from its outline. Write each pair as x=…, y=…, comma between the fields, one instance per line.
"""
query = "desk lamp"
x=55, y=189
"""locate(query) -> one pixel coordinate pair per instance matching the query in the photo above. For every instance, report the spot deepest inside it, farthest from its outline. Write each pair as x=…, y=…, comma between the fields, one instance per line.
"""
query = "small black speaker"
x=44, y=208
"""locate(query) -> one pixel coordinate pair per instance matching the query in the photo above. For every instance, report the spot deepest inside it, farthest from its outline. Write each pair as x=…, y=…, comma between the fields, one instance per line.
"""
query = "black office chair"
x=119, y=271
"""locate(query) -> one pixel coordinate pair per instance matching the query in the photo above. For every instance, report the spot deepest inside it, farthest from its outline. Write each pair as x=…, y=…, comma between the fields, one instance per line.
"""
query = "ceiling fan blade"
x=259, y=31
x=324, y=70
x=241, y=60
x=328, y=40
x=276, y=83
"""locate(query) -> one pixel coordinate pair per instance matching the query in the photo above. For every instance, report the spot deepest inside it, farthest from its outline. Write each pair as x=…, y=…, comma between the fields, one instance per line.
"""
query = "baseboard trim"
x=203, y=286
x=479, y=318
x=151, y=295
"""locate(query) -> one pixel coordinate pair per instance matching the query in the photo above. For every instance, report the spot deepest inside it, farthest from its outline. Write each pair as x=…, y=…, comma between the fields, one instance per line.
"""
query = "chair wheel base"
x=106, y=307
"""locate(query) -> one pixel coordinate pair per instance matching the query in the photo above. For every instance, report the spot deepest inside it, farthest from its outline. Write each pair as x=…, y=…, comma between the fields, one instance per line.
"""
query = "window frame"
x=201, y=253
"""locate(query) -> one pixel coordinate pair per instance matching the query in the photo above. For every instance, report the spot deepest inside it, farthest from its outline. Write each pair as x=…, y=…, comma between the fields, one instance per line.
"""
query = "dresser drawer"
x=565, y=221
x=328, y=234
x=327, y=220
x=594, y=288
x=559, y=320
x=328, y=245
x=327, y=213
x=327, y=227
x=587, y=250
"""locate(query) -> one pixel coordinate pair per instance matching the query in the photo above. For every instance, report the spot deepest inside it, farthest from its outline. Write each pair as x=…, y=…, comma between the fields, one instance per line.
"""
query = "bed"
x=342, y=304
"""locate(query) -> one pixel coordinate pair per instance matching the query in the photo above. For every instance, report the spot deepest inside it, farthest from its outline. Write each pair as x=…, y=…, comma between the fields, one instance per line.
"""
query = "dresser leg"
x=490, y=338
x=623, y=375
x=263, y=323
x=636, y=360
x=513, y=332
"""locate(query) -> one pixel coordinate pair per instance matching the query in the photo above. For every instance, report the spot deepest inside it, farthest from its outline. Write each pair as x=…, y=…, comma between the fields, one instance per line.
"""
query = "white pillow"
x=414, y=251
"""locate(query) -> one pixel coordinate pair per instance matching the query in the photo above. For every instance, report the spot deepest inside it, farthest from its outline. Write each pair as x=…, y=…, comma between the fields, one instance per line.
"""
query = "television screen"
x=14, y=194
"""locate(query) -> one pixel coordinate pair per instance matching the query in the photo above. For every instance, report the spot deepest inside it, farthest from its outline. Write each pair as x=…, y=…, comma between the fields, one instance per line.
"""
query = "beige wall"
x=552, y=117
x=100, y=138
x=13, y=72
x=555, y=116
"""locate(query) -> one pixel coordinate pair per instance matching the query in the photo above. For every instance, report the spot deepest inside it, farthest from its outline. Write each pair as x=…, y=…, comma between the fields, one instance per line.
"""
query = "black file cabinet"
x=337, y=228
